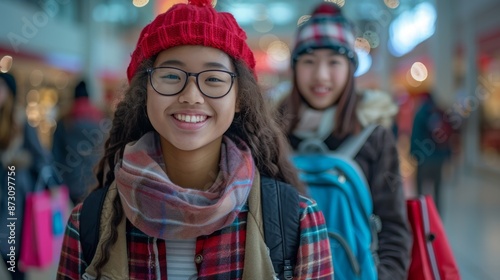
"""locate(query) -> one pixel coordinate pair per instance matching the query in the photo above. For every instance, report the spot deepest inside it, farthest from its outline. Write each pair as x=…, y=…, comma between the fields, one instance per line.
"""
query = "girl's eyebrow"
x=215, y=65
x=174, y=62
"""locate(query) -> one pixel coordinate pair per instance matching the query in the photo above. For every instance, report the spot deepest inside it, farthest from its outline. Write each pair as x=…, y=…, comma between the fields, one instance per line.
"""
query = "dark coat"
x=28, y=159
x=431, y=134
x=77, y=147
x=378, y=158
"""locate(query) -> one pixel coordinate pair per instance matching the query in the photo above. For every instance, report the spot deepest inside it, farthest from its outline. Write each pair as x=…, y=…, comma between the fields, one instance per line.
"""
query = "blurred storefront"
x=45, y=91
x=56, y=43
x=489, y=82
x=460, y=65
x=406, y=48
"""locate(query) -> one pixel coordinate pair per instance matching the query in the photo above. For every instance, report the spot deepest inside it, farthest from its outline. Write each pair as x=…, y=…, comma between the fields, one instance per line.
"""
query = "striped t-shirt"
x=180, y=259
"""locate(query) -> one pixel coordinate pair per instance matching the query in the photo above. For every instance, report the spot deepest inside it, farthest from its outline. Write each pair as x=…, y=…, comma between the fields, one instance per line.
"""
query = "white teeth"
x=321, y=89
x=190, y=118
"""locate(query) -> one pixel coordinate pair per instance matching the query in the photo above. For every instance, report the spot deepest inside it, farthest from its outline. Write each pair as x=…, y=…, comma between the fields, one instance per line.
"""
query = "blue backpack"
x=338, y=185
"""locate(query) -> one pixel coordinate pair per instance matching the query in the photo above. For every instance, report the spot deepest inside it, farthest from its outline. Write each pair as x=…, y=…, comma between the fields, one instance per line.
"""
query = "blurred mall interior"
x=406, y=47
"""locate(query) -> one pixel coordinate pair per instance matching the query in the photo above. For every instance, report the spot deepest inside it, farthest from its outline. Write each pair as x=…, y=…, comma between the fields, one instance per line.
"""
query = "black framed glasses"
x=170, y=81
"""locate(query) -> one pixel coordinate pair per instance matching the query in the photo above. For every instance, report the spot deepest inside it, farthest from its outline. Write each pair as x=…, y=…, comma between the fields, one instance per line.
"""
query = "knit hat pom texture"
x=200, y=3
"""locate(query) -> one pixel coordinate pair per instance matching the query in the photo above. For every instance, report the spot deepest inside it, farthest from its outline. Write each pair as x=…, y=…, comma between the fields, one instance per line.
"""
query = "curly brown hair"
x=254, y=124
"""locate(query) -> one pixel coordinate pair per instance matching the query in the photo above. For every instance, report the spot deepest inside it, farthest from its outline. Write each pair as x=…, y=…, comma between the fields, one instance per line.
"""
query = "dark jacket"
x=431, y=134
x=77, y=146
x=28, y=158
x=378, y=158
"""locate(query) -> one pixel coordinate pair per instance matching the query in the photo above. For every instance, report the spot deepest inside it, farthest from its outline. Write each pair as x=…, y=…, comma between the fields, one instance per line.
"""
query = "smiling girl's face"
x=321, y=77
x=190, y=120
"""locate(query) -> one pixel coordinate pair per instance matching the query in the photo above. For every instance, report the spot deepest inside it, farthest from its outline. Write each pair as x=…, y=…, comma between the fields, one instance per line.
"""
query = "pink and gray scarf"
x=164, y=210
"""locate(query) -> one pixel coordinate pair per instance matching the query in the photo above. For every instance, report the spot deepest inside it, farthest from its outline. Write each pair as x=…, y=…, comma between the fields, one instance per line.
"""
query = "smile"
x=321, y=90
x=190, y=118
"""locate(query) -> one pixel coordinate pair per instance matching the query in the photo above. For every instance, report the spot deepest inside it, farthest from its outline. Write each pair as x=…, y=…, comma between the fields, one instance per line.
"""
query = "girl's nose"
x=191, y=94
x=322, y=71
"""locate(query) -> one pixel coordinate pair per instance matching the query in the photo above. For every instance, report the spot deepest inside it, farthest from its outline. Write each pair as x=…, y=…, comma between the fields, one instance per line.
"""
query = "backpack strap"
x=281, y=219
x=281, y=228
x=90, y=221
x=351, y=146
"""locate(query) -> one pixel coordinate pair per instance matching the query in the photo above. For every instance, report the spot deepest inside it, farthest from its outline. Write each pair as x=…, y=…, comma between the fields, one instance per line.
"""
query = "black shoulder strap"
x=281, y=218
x=90, y=221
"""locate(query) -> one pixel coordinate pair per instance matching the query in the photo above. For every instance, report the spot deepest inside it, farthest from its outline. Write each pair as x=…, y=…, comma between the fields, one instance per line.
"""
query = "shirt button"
x=198, y=259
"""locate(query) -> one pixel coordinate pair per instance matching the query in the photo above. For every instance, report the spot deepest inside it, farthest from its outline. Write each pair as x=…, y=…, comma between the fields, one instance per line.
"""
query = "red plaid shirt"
x=218, y=256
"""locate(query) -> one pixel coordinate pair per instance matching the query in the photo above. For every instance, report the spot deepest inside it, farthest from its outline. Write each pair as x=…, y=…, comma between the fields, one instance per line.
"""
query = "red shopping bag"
x=432, y=257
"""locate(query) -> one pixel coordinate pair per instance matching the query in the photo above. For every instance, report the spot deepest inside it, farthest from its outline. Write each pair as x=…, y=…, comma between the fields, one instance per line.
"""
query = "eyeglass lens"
x=171, y=81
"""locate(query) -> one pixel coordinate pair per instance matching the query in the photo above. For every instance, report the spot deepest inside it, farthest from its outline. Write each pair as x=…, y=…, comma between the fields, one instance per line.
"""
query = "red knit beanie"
x=195, y=23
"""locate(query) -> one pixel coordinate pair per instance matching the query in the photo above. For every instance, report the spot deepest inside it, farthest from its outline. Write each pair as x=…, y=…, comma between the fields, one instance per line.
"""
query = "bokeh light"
x=263, y=26
x=278, y=51
x=362, y=44
x=266, y=39
x=372, y=38
x=5, y=63
x=62, y=80
x=338, y=2
x=278, y=55
x=140, y=3
x=33, y=96
x=33, y=114
x=391, y=4
x=303, y=19
x=36, y=77
x=418, y=71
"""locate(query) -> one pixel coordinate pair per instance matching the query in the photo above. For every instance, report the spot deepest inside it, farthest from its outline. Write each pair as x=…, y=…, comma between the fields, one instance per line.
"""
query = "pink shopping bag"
x=36, y=238
x=45, y=216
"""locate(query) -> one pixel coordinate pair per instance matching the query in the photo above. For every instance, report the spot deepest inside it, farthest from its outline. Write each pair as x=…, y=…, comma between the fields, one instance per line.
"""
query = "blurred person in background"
x=430, y=146
x=323, y=64
x=19, y=148
x=78, y=143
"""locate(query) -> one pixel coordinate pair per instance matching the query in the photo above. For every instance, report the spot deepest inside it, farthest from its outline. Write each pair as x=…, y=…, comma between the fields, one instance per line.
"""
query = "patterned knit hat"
x=195, y=23
x=327, y=28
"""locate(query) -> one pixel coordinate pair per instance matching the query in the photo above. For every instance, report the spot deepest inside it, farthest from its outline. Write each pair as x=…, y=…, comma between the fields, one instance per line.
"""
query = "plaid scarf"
x=164, y=210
